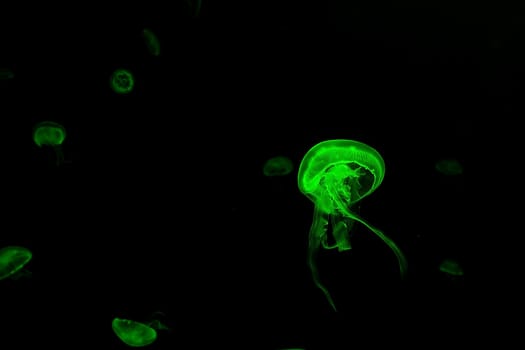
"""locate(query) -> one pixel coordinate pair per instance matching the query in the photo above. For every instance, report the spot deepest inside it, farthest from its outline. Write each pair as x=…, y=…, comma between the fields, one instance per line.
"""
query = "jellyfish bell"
x=133, y=333
x=278, y=166
x=13, y=259
x=52, y=135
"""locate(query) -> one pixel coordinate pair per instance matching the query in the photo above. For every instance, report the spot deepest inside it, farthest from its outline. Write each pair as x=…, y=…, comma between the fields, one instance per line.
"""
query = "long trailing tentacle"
x=316, y=236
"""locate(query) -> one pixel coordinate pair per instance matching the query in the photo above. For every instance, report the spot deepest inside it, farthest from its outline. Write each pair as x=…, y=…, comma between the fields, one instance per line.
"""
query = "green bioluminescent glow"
x=335, y=175
x=6, y=74
x=278, y=166
x=122, y=81
x=12, y=261
x=449, y=167
x=137, y=334
x=152, y=42
x=50, y=134
x=451, y=267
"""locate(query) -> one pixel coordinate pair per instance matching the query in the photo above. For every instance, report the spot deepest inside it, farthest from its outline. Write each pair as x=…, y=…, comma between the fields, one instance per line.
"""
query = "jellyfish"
x=6, y=74
x=194, y=7
x=52, y=134
x=278, y=166
x=152, y=42
x=451, y=267
x=122, y=81
x=449, y=166
x=12, y=262
x=136, y=334
x=335, y=175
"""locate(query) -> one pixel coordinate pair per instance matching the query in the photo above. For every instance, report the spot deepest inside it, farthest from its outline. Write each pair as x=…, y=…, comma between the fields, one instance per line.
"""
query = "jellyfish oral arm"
x=399, y=254
x=318, y=235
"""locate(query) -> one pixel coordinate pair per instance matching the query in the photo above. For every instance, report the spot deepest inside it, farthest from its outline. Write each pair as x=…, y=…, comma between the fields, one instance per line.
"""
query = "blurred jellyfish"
x=152, y=42
x=278, y=166
x=12, y=262
x=122, y=81
x=50, y=134
x=137, y=334
x=6, y=74
x=194, y=7
x=451, y=267
x=449, y=166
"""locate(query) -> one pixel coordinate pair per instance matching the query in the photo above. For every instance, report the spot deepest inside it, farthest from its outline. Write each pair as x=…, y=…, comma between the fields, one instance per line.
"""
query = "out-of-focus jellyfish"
x=278, y=166
x=122, y=81
x=335, y=175
x=449, y=167
x=194, y=7
x=12, y=262
x=51, y=134
x=451, y=267
x=136, y=334
x=6, y=74
x=152, y=42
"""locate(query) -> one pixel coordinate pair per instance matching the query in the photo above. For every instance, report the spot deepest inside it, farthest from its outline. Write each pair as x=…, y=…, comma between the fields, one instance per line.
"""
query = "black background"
x=164, y=206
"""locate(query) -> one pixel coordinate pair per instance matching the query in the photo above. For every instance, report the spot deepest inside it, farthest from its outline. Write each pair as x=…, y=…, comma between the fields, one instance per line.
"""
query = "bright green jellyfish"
x=451, y=267
x=51, y=134
x=122, y=81
x=152, y=42
x=335, y=175
x=449, y=166
x=138, y=334
x=12, y=262
x=278, y=166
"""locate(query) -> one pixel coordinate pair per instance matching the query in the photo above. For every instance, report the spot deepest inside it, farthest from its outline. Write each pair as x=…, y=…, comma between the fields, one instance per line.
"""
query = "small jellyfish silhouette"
x=152, y=42
x=122, y=81
x=50, y=134
x=449, y=167
x=137, y=334
x=278, y=166
x=451, y=267
x=193, y=7
x=335, y=175
x=12, y=262
x=6, y=74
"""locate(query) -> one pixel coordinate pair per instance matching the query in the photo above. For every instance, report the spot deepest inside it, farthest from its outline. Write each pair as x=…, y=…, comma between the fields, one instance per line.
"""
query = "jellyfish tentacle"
x=340, y=231
x=318, y=235
x=391, y=244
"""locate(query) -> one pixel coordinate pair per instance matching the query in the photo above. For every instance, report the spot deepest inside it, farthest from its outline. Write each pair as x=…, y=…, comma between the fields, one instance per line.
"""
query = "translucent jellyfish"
x=335, y=175
x=451, y=267
x=6, y=74
x=449, y=167
x=51, y=134
x=194, y=7
x=12, y=262
x=152, y=42
x=122, y=81
x=136, y=334
x=278, y=166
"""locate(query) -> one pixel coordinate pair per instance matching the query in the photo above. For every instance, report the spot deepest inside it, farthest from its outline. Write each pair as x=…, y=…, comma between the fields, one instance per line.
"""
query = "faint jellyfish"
x=278, y=166
x=122, y=81
x=136, y=334
x=51, y=134
x=6, y=74
x=194, y=7
x=449, y=166
x=12, y=262
x=152, y=42
x=451, y=267
x=335, y=175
